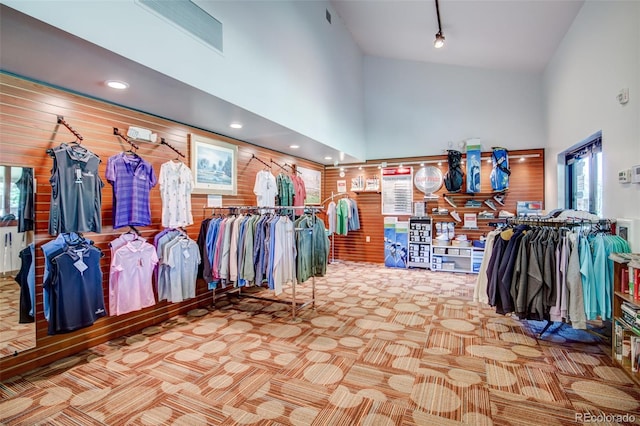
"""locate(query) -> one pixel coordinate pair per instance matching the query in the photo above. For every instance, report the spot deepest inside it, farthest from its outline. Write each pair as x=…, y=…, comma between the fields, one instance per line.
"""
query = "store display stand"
x=465, y=259
x=420, y=235
x=623, y=330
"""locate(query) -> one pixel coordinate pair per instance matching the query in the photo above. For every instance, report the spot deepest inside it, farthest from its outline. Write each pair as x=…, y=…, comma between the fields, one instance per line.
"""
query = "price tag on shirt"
x=186, y=254
x=78, y=176
x=80, y=265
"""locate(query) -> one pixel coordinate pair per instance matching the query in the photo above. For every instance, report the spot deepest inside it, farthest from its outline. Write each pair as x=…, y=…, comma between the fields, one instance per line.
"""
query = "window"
x=584, y=176
x=9, y=192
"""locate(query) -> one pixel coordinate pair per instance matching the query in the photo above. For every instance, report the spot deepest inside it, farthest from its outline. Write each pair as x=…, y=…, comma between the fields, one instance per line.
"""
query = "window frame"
x=589, y=150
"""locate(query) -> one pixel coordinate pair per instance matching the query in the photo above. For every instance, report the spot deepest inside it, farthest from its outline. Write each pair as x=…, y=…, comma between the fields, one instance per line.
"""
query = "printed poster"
x=474, y=163
x=397, y=191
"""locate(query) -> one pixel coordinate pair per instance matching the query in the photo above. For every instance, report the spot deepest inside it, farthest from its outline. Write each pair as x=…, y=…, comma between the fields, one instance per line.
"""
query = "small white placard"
x=214, y=200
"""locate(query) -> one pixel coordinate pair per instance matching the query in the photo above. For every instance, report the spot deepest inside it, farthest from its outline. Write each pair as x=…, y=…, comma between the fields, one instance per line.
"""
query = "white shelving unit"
x=419, y=242
x=456, y=259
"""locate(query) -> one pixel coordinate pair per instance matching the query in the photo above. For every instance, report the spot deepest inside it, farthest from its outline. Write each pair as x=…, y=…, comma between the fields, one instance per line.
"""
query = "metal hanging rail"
x=163, y=142
x=124, y=138
x=278, y=164
x=65, y=124
x=253, y=157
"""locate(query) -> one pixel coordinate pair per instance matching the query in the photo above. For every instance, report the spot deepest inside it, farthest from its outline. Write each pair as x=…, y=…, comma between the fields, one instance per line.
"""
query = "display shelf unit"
x=420, y=229
x=623, y=332
x=456, y=259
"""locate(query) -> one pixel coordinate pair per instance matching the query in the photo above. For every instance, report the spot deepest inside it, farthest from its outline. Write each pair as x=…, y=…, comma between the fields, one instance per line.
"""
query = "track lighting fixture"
x=439, y=41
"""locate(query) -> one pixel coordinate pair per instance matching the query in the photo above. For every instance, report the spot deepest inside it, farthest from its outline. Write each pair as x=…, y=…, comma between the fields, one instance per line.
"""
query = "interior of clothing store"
x=158, y=271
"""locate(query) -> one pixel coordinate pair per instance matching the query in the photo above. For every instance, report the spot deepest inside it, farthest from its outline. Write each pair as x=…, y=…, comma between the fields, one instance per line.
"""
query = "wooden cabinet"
x=625, y=333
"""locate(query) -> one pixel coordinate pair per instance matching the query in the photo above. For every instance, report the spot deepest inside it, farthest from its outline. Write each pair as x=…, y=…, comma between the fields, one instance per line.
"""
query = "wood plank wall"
x=28, y=127
x=526, y=184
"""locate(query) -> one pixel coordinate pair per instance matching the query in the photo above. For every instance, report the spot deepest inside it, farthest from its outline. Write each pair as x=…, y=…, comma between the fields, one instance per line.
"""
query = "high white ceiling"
x=507, y=34
x=503, y=34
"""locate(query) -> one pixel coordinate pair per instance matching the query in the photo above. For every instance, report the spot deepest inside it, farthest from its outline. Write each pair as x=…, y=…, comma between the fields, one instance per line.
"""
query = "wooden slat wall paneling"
x=28, y=127
x=526, y=184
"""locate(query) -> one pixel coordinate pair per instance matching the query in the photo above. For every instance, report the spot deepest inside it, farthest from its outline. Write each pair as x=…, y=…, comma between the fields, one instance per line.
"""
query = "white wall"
x=599, y=55
x=282, y=60
x=414, y=108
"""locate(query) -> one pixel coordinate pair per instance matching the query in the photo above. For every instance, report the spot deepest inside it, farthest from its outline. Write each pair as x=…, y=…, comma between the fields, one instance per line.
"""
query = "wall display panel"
x=28, y=127
x=367, y=244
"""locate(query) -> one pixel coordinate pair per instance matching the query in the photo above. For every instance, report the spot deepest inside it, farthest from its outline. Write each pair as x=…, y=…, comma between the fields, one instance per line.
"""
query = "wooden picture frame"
x=313, y=185
x=214, y=166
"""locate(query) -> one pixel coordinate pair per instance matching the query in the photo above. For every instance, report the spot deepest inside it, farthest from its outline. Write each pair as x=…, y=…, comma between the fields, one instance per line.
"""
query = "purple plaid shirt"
x=132, y=179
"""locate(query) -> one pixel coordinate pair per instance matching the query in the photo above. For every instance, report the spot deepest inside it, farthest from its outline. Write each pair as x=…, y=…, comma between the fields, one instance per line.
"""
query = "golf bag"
x=454, y=176
x=500, y=172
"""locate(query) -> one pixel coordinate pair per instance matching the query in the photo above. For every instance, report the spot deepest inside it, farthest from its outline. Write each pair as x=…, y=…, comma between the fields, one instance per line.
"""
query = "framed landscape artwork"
x=312, y=181
x=214, y=166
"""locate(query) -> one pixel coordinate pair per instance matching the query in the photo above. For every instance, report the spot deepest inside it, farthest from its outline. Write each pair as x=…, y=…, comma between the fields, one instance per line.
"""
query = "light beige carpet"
x=383, y=347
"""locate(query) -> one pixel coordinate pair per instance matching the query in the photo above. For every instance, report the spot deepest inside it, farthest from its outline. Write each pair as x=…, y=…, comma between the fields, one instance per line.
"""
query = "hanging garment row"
x=252, y=249
x=133, y=261
x=178, y=262
x=76, y=195
x=343, y=216
x=283, y=190
x=549, y=273
x=72, y=291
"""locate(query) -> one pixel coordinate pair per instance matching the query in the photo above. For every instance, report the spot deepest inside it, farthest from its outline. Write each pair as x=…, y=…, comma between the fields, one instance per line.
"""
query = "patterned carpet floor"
x=382, y=347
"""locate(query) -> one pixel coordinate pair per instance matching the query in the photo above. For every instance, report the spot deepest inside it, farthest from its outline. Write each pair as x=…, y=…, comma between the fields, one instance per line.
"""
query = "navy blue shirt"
x=76, y=294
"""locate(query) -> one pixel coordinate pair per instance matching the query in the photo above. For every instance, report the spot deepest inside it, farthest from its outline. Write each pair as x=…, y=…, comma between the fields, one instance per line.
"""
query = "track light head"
x=439, y=41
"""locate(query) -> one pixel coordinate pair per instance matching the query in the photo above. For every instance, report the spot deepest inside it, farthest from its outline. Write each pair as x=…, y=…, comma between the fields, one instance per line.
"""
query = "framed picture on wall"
x=312, y=183
x=214, y=166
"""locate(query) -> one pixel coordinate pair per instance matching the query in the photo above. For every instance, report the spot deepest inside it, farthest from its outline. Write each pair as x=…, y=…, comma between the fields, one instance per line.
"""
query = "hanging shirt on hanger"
x=132, y=266
x=132, y=179
x=265, y=189
x=331, y=217
x=176, y=184
x=76, y=190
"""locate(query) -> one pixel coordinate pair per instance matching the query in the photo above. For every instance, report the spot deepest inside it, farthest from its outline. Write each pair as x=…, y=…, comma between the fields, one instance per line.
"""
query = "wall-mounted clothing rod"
x=126, y=139
x=540, y=221
x=293, y=168
x=65, y=124
x=277, y=164
x=163, y=142
x=243, y=208
x=253, y=156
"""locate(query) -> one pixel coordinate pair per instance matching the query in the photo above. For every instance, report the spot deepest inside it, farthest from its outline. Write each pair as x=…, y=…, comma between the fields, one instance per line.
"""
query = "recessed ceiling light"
x=521, y=158
x=236, y=125
x=294, y=146
x=328, y=157
x=116, y=84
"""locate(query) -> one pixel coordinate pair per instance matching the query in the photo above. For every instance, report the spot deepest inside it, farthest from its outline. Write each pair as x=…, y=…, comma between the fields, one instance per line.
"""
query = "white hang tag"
x=80, y=265
x=186, y=254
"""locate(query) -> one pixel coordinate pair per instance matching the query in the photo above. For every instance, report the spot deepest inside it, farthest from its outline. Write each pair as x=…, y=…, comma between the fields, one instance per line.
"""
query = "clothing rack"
x=253, y=156
x=65, y=124
x=333, y=249
x=124, y=138
x=163, y=142
x=559, y=223
x=295, y=305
